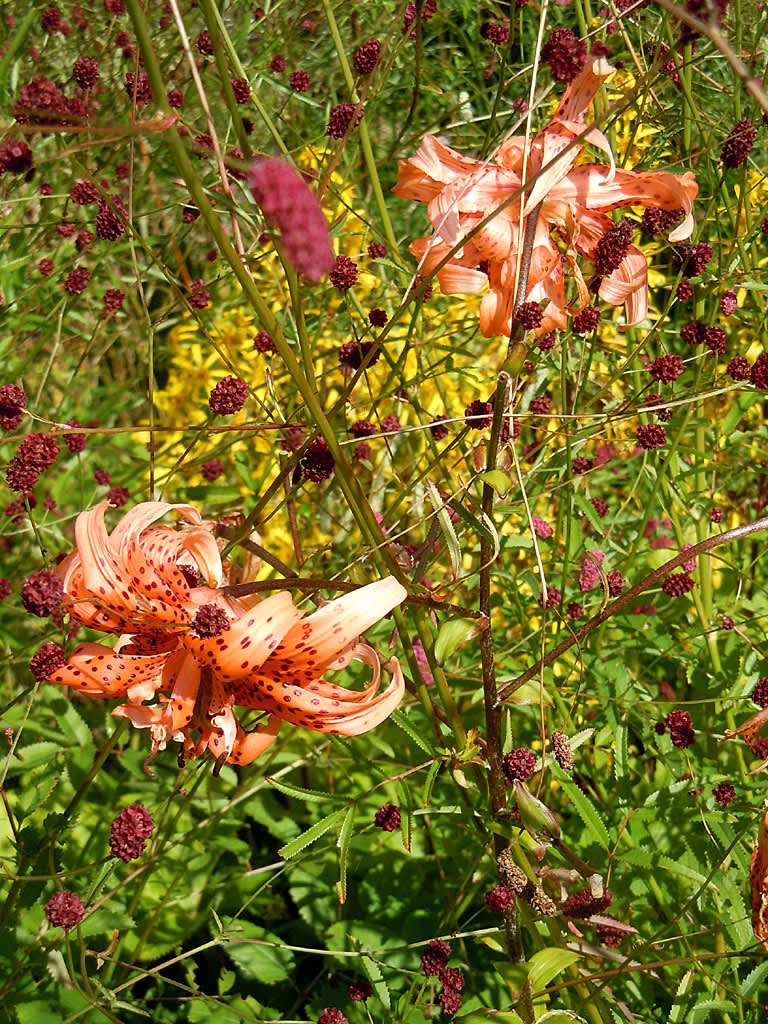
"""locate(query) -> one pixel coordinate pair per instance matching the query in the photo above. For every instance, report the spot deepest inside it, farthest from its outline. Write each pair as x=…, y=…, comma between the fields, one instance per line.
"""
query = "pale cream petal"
x=628, y=284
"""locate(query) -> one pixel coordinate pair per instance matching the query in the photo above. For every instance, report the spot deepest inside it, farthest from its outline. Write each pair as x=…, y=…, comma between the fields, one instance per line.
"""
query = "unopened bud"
x=535, y=815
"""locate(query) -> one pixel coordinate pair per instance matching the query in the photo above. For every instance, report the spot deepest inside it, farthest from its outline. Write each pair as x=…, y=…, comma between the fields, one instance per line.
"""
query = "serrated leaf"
x=680, y=1005
x=586, y=810
x=446, y=528
x=403, y=723
x=754, y=979
x=586, y=507
x=515, y=540
x=702, y=1011
x=675, y=867
x=376, y=979
x=310, y=796
x=429, y=782
x=450, y=635
x=406, y=813
x=312, y=834
x=343, y=841
x=545, y=965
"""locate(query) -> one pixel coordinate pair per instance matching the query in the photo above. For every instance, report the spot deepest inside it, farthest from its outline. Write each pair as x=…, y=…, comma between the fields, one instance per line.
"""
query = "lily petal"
x=97, y=671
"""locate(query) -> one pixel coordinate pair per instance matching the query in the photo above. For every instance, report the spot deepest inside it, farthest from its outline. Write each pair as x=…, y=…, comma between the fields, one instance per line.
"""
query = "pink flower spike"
x=295, y=212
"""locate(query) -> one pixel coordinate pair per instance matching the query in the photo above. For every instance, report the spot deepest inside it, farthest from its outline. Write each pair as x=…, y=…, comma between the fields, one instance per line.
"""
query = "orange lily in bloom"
x=197, y=653
x=575, y=202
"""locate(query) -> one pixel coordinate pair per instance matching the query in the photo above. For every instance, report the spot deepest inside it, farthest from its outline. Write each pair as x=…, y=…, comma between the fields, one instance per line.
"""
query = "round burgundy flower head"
x=362, y=428
x=77, y=280
x=344, y=273
x=112, y=302
x=84, y=240
x=609, y=936
x=680, y=728
x=241, y=90
x=42, y=593
x=561, y=747
x=547, y=342
x=228, y=397
x=175, y=99
x=759, y=372
x=86, y=72
x=212, y=469
x=589, y=575
x=684, y=291
x=693, y=333
x=130, y=831
x=12, y=402
x=583, y=904
x=575, y=610
x=101, y=476
x=210, y=620
x=199, y=296
x=51, y=20
x=529, y=315
x=587, y=320
x=34, y=455
x=118, y=496
x=452, y=977
x=616, y=583
x=108, y=225
x=66, y=230
x=114, y=7
x=677, y=584
x=377, y=317
x=65, y=910
x=138, y=88
x=204, y=44
x=495, y=32
x=519, y=764
x=698, y=258
x=439, y=431
x=478, y=414
x=317, y=463
x=15, y=156
x=612, y=247
x=554, y=597
x=737, y=146
x=360, y=990
x=377, y=250
x=343, y=119
x=666, y=368
x=541, y=528
x=499, y=898
x=295, y=212
x=435, y=957
x=724, y=794
x=6, y=588
x=728, y=302
x=760, y=693
x=651, y=435
x=738, y=369
x=655, y=220
x=352, y=353
x=391, y=424
x=366, y=57
x=582, y=464
x=362, y=451
x=600, y=505
x=759, y=747
x=714, y=339
x=565, y=54
x=76, y=442
x=540, y=405
x=46, y=660
x=715, y=515
x=450, y=1001
x=263, y=343
x=278, y=64
x=331, y=1015
x=387, y=818
x=300, y=81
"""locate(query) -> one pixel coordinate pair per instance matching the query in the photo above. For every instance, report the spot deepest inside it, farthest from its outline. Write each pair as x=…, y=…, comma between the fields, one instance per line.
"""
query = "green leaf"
x=36, y=1011
x=586, y=507
x=754, y=979
x=429, y=782
x=404, y=723
x=446, y=527
x=311, y=834
x=406, y=813
x=559, y=1017
x=678, y=1012
x=450, y=635
x=264, y=958
x=343, y=841
x=310, y=796
x=376, y=979
x=585, y=809
x=545, y=965
x=702, y=1011
x=499, y=481
x=489, y=1017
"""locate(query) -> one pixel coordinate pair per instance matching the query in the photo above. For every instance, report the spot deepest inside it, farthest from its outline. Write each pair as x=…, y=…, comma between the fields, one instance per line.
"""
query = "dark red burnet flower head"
x=15, y=156
x=677, y=584
x=518, y=765
x=760, y=693
x=435, y=957
x=586, y=320
x=210, y=620
x=739, y=143
x=655, y=220
x=529, y=315
x=565, y=54
x=294, y=211
x=130, y=831
x=138, y=88
x=360, y=990
x=263, y=343
x=332, y=1015
x=42, y=593
x=724, y=794
x=86, y=72
x=12, y=403
x=65, y=910
x=77, y=280
x=352, y=353
x=758, y=375
x=499, y=898
x=212, y=469
x=300, y=81
x=344, y=118
x=46, y=660
x=317, y=463
x=680, y=728
x=666, y=368
x=343, y=274
x=388, y=818
x=228, y=396
x=495, y=32
x=651, y=435
x=35, y=454
x=366, y=57
x=583, y=904
x=612, y=247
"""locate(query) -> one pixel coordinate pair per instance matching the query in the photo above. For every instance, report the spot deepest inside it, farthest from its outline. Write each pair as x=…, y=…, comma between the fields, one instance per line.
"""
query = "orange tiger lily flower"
x=575, y=202
x=198, y=653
